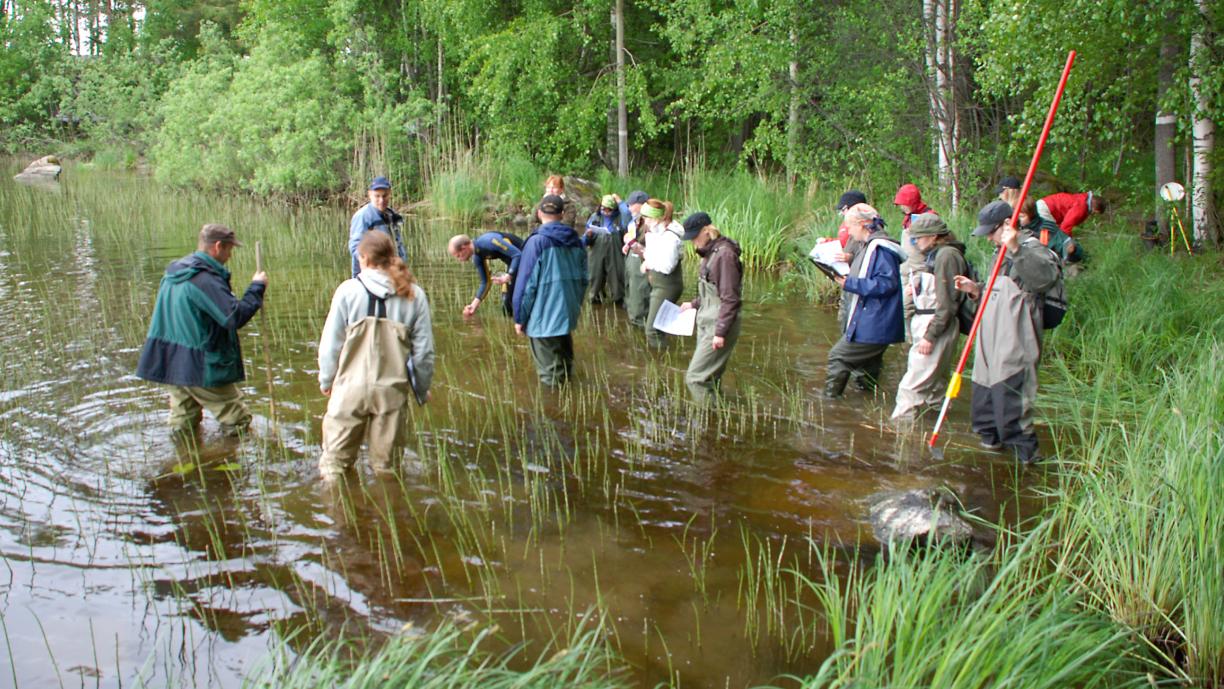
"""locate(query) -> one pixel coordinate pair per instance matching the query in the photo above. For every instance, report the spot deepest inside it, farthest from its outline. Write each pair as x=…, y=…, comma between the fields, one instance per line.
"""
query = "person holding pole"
x=192, y=344
x=1008, y=345
x=875, y=318
x=719, y=287
x=376, y=349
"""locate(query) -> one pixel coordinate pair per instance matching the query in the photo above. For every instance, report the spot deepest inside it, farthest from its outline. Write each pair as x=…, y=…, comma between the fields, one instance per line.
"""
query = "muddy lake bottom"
x=130, y=558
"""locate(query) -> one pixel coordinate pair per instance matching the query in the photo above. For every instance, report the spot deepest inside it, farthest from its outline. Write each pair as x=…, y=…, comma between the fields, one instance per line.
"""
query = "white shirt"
x=663, y=247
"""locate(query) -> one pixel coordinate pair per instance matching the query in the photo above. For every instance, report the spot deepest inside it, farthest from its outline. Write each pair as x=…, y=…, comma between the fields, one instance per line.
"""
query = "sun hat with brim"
x=927, y=225
x=991, y=216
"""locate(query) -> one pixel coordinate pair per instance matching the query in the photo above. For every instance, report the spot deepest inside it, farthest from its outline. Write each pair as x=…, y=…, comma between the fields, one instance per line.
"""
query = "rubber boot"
x=835, y=384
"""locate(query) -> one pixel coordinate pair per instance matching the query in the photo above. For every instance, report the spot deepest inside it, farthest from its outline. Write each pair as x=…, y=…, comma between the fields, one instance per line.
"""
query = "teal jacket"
x=193, y=339
x=551, y=281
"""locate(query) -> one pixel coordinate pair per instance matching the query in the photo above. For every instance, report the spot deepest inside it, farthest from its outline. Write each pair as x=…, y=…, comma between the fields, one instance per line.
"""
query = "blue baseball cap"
x=380, y=183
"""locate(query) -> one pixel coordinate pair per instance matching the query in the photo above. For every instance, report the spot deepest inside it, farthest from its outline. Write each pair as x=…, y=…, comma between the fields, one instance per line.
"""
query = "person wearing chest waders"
x=604, y=236
x=719, y=289
x=933, y=327
x=376, y=215
x=637, y=288
x=909, y=201
x=193, y=340
x=875, y=320
x=377, y=349
x=501, y=246
x=1008, y=345
x=661, y=263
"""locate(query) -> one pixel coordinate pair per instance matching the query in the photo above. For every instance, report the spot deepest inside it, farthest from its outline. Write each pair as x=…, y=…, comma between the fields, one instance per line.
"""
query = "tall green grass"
x=448, y=657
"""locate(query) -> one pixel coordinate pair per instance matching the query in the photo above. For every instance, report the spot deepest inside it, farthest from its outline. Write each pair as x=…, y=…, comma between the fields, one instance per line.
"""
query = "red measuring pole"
x=954, y=384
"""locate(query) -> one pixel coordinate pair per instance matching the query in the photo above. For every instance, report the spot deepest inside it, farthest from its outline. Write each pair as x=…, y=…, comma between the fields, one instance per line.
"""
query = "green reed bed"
x=449, y=657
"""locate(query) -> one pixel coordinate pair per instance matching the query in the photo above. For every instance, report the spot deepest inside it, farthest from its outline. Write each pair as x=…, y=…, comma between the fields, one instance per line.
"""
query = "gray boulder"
x=45, y=169
x=925, y=515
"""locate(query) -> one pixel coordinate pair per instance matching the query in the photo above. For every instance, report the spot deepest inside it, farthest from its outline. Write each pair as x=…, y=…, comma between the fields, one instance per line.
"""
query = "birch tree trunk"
x=792, y=120
x=1201, y=205
x=622, y=115
x=1166, y=127
x=940, y=57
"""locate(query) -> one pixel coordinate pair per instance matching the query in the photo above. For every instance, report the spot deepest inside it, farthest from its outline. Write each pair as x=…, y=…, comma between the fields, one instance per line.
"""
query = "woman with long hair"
x=377, y=349
x=661, y=263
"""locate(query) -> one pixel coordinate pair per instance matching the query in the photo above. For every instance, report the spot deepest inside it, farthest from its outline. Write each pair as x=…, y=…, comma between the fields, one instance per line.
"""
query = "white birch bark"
x=1201, y=211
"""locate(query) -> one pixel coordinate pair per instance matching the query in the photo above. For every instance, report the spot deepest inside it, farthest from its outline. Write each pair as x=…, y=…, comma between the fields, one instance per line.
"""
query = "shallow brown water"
x=128, y=558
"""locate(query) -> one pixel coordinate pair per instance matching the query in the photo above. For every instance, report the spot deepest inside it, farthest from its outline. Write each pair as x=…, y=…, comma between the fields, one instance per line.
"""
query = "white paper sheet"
x=825, y=253
x=673, y=321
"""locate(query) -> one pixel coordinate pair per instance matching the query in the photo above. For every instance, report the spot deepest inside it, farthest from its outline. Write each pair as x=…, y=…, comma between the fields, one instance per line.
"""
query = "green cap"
x=927, y=225
x=608, y=201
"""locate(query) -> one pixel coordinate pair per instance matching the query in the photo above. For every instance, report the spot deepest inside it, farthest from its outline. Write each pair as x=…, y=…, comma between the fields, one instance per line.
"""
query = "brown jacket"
x=721, y=266
x=948, y=262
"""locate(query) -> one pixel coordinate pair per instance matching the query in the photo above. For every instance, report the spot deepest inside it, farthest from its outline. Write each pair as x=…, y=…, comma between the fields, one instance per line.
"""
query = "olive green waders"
x=368, y=395
x=637, y=291
x=663, y=286
x=187, y=405
x=706, y=368
x=554, y=359
x=607, y=268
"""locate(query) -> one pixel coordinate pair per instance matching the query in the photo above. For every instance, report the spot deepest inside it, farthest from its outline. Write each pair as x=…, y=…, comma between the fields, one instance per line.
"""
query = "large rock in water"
x=923, y=516
x=585, y=193
x=45, y=169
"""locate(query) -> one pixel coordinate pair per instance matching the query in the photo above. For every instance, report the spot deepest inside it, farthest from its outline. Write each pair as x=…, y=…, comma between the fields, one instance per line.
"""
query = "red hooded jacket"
x=908, y=195
x=1068, y=210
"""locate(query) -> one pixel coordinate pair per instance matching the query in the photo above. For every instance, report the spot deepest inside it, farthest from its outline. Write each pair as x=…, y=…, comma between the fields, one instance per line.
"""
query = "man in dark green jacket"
x=193, y=340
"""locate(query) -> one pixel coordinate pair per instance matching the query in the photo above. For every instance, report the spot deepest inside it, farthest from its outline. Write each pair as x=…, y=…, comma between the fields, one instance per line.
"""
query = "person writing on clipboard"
x=377, y=348
x=720, y=280
x=875, y=319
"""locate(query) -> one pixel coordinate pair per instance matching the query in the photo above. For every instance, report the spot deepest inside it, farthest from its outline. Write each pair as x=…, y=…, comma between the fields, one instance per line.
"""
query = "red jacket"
x=908, y=195
x=1068, y=210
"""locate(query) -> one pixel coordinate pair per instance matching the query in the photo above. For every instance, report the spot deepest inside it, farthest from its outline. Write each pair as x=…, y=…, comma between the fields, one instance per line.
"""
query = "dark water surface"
x=129, y=559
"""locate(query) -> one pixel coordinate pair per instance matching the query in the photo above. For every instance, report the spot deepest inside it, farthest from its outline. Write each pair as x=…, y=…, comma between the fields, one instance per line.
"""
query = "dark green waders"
x=637, y=292
x=663, y=287
x=706, y=368
x=607, y=269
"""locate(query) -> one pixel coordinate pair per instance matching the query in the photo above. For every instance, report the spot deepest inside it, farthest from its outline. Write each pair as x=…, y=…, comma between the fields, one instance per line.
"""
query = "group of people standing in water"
x=377, y=349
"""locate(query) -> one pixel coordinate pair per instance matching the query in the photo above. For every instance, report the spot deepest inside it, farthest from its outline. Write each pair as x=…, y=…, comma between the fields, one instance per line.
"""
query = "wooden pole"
x=265, y=338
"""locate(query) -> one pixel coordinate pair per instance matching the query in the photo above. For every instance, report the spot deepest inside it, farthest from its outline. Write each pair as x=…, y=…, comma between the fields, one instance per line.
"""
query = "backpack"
x=965, y=312
x=1054, y=302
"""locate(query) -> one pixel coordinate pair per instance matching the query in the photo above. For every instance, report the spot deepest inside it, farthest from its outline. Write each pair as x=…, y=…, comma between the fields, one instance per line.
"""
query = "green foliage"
x=447, y=657
x=30, y=78
x=265, y=123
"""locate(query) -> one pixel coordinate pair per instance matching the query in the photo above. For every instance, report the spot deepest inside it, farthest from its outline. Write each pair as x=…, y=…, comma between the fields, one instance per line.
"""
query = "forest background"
x=306, y=99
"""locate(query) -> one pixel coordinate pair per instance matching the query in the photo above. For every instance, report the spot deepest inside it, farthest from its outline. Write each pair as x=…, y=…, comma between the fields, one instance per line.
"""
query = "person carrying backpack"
x=1008, y=346
x=933, y=327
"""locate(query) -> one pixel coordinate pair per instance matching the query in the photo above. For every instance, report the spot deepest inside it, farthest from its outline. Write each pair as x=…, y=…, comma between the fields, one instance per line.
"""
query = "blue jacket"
x=877, y=316
x=495, y=245
x=193, y=339
x=367, y=218
x=551, y=281
x=618, y=222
